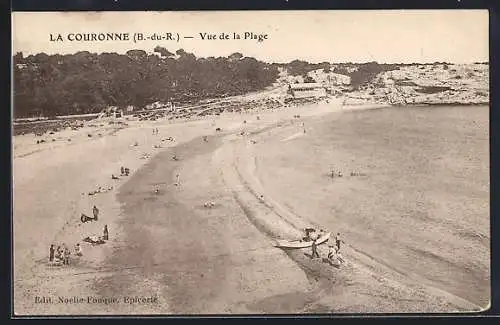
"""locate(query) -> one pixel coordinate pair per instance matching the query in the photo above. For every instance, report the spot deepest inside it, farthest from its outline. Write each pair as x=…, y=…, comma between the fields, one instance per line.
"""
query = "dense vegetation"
x=80, y=83
x=365, y=72
x=301, y=68
x=86, y=82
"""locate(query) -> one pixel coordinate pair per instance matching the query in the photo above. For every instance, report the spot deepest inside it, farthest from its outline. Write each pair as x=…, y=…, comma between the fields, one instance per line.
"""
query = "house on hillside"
x=305, y=90
x=112, y=111
x=154, y=105
x=21, y=66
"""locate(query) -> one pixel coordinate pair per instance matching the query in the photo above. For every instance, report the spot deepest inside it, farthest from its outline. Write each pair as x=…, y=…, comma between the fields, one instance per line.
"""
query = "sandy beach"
x=192, y=259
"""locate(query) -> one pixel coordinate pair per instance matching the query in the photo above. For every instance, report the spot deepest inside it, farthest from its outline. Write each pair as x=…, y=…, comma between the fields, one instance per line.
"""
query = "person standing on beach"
x=67, y=254
x=337, y=241
x=314, y=247
x=95, y=211
x=106, y=233
x=51, y=253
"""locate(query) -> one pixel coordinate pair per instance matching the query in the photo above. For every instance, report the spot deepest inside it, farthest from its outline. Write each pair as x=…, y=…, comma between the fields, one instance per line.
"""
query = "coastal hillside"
x=89, y=83
x=438, y=83
x=84, y=82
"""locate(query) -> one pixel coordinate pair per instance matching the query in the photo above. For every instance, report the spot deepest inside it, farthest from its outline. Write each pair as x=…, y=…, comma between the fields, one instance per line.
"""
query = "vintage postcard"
x=294, y=162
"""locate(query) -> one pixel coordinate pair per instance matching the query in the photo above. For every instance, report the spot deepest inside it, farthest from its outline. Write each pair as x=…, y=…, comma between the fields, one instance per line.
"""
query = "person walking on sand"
x=314, y=247
x=105, y=233
x=51, y=253
x=338, y=239
x=95, y=211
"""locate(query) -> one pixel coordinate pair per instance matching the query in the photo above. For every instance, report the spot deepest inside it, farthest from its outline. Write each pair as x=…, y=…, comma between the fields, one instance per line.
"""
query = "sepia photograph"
x=250, y=162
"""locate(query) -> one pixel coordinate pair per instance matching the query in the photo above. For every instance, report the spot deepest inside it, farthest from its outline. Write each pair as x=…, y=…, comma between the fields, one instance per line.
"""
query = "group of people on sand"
x=94, y=239
x=333, y=250
x=155, y=131
x=62, y=255
x=335, y=173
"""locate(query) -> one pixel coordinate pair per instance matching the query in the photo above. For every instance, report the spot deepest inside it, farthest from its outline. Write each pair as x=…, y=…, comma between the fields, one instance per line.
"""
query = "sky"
x=391, y=36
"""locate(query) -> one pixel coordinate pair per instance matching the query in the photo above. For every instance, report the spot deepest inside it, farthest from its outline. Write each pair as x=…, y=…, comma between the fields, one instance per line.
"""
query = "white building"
x=305, y=90
x=112, y=111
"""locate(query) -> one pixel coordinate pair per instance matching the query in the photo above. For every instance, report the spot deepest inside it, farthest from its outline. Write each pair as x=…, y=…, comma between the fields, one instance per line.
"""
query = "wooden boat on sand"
x=302, y=243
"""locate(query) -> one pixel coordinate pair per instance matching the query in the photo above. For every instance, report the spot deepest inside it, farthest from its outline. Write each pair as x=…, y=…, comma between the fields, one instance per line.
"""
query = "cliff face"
x=415, y=84
x=427, y=84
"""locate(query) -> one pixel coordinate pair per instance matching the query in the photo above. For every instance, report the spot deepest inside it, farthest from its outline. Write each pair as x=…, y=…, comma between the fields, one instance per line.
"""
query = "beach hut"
x=306, y=90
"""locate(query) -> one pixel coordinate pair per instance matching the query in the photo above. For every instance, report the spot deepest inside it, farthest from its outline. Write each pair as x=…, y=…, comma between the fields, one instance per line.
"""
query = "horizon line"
x=437, y=61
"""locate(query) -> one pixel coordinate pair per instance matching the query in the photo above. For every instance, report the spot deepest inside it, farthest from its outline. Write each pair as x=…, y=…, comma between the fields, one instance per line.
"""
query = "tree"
x=138, y=55
x=235, y=56
x=163, y=52
x=309, y=79
x=18, y=58
x=86, y=82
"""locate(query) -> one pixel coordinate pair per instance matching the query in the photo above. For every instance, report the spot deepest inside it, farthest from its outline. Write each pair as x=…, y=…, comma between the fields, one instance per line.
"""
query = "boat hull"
x=301, y=244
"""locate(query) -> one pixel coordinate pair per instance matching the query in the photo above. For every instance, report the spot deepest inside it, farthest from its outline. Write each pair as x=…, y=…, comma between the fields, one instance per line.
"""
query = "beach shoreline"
x=99, y=273
x=87, y=162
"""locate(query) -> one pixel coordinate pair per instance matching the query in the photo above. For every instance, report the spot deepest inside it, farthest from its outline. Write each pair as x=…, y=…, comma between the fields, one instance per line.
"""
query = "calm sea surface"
x=419, y=200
